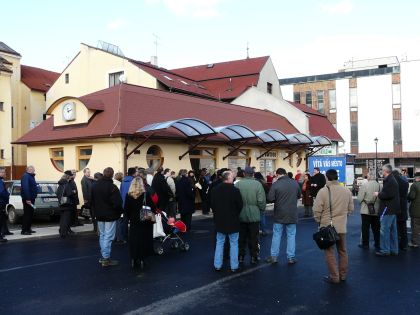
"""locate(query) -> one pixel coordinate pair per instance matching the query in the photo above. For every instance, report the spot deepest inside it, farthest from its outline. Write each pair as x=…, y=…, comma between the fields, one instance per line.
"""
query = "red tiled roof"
x=230, y=88
x=319, y=125
x=223, y=69
x=38, y=79
x=141, y=106
x=174, y=81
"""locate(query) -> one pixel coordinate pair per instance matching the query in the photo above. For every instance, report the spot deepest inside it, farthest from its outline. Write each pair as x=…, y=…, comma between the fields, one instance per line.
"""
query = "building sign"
x=329, y=162
x=330, y=150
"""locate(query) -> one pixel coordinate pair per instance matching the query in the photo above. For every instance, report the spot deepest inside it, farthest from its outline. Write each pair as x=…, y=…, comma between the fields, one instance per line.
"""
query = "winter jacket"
x=161, y=188
x=307, y=199
x=73, y=187
x=4, y=195
x=86, y=184
x=403, y=191
x=185, y=196
x=389, y=196
x=106, y=200
x=319, y=180
x=132, y=207
x=65, y=190
x=341, y=206
x=29, y=187
x=366, y=195
x=125, y=186
x=253, y=197
x=226, y=202
x=171, y=184
x=285, y=193
x=414, y=198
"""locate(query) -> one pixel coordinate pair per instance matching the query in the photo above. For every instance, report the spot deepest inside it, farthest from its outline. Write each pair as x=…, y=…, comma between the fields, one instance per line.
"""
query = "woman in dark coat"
x=186, y=198
x=307, y=199
x=140, y=235
x=67, y=209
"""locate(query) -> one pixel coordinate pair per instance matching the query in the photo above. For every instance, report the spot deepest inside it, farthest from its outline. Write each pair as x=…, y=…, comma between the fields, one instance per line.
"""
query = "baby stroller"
x=172, y=229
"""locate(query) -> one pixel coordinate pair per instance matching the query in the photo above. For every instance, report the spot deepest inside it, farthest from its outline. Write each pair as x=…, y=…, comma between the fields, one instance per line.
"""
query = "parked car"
x=46, y=203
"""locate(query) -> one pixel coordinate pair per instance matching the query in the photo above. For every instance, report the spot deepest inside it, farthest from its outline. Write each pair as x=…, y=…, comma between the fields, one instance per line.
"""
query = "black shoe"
x=235, y=270
x=25, y=233
x=254, y=260
x=3, y=240
x=363, y=246
x=217, y=269
x=382, y=254
x=8, y=233
x=32, y=231
x=70, y=232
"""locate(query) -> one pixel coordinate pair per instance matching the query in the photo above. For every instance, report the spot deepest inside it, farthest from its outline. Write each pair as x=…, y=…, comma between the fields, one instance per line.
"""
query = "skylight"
x=168, y=78
x=184, y=82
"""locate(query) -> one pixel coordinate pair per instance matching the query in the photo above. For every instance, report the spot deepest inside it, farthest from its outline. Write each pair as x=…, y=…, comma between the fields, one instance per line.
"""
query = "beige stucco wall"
x=268, y=74
x=82, y=113
x=89, y=72
x=5, y=122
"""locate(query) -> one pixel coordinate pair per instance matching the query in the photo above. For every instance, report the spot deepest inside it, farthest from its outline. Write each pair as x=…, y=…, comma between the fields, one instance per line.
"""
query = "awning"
x=298, y=138
x=190, y=127
x=236, y=132
x=271, y=135
x=320, y=141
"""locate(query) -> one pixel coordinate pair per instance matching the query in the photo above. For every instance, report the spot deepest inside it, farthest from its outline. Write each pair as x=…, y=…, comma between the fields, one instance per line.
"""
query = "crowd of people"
x=238, y=199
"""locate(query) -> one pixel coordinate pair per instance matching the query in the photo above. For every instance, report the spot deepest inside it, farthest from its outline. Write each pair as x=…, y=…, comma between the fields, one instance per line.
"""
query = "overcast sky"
x=302, y=37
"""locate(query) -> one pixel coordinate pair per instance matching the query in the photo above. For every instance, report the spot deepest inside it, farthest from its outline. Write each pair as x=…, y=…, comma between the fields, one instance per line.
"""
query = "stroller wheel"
x=174, y=245
x=159, y=250
x=185, y=247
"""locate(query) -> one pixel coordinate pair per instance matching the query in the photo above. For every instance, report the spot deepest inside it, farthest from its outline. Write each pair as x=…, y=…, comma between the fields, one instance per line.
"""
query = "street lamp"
x=376, y=158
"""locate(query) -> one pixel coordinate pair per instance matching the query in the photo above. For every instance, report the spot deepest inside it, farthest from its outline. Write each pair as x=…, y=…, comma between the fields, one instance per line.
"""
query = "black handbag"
x=326, y=236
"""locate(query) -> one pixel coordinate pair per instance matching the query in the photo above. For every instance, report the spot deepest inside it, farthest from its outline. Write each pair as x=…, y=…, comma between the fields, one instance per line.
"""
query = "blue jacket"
x=125, y=186
x=4, y=195
x=29, y=188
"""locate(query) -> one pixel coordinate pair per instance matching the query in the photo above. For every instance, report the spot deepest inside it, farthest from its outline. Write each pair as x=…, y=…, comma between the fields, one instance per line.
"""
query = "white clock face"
x=69, y=111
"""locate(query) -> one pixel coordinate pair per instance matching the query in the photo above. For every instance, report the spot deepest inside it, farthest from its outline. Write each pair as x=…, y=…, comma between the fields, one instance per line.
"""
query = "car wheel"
x=12, y=216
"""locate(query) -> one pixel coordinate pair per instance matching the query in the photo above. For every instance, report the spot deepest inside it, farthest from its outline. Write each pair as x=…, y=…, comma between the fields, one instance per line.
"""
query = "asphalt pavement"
x=54, y=276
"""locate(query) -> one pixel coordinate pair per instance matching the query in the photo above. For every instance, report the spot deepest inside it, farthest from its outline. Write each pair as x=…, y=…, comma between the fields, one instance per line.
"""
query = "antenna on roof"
x=156, y=43
x=247, y=50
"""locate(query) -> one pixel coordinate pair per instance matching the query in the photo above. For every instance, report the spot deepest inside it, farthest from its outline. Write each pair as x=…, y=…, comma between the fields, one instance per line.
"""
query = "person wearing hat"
x=254, y=202
x=66, y=208
x=414, y=199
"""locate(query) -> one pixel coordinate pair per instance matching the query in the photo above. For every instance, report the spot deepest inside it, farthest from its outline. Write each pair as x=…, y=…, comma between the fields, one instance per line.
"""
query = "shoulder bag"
x=326, y=236
x=146, y=213
x=64, y=201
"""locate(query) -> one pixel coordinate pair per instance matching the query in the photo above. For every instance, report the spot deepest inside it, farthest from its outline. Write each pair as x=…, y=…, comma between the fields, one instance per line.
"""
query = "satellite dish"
x=123, y=78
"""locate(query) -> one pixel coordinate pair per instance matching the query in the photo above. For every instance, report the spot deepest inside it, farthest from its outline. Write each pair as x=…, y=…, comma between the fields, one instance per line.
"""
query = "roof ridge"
x=218, y=63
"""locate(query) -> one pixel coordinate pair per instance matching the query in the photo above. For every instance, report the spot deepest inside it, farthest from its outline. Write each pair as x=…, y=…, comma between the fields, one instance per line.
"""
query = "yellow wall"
x=5, y=122
x=89, y=72
x=82, y=113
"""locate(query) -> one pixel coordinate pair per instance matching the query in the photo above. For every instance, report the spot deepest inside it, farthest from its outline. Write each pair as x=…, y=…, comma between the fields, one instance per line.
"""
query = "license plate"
x=50, y=199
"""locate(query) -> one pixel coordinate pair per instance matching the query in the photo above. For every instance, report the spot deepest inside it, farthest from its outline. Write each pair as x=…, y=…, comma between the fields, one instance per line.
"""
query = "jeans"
x=106, y=235
x=276, y=240
x=122, y=229
x=218, y=253
x=263, y=222
x=389, y=234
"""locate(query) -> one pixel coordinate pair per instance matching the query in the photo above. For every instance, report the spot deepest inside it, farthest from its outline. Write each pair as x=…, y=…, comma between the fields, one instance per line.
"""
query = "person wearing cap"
x=67, y=209
x=285, y=193
x=414, y=199
x=254, y=202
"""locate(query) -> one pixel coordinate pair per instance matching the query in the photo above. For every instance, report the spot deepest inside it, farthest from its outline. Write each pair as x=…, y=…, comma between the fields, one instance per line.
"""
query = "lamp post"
x=376, y=158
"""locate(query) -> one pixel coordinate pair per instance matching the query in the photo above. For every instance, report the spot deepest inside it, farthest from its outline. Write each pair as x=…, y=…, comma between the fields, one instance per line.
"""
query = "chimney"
x=154, y=60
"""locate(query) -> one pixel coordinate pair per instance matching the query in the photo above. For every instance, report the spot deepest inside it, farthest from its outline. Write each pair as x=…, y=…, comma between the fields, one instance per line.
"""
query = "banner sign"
x=329, y=162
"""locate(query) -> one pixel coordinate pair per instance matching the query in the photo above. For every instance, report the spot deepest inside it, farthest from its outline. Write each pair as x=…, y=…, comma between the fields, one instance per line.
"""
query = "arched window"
x=154, y=157
x=57, y=158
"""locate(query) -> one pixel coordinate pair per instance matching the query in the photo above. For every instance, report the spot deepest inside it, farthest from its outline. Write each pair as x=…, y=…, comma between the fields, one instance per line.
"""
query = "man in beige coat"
x=341, y=207
x=369, y=220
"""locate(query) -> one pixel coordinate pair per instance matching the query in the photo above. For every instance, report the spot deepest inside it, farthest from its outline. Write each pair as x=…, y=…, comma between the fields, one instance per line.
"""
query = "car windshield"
x=47, y=188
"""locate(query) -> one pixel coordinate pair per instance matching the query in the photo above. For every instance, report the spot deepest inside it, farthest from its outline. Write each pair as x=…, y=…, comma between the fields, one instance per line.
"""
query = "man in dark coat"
x=414, y=198
x=226, y=203
x=87, y=183
x=317, y=182
x=285, y=193
x=402, y=217
x=4, y=200
x=186, y=198
x=162, y=189
x=73, y=186
x=204, y=191
x=29, y=192
x=107, y=207
x=389, y=208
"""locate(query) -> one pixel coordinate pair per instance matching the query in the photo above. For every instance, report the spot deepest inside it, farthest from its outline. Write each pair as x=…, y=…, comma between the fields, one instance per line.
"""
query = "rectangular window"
x=332, y=99
x=269, y=88
x=396, y=94
x=12, y=112
x=2, y=154
x=353, y=97
x=67, y=78
x=114, y=78
x=397, y=132
x=57, y=158
x=308, y=98
x=320, y=100
x=2, y=106
x=296, y=97
x=354, y=136
x=83, y=156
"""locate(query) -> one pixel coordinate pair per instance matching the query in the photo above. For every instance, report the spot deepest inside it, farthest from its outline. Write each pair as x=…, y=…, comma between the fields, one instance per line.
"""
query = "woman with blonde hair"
x=140, y=236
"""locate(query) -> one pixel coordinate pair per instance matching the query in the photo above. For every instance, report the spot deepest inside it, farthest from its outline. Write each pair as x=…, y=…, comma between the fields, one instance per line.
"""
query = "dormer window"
x=269, y=88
